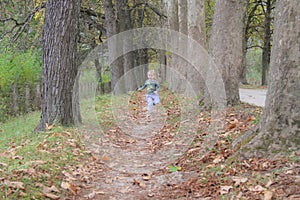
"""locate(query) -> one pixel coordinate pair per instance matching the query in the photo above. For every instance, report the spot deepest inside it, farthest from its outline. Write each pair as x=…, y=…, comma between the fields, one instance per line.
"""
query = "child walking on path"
x=153, y=88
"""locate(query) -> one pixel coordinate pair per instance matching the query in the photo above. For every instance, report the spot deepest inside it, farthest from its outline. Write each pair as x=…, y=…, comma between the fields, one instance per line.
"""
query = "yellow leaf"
x=49, y=127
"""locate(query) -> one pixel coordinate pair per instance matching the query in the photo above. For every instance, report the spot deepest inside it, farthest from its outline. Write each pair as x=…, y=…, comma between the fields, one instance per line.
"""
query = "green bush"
x=17, y=69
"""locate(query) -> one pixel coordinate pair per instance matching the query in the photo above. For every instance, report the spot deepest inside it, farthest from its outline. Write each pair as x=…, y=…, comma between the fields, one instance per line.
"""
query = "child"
x=153, y=88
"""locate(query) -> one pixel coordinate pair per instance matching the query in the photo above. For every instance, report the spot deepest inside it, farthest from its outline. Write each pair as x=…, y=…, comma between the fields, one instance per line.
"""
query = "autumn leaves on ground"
x=64, y=164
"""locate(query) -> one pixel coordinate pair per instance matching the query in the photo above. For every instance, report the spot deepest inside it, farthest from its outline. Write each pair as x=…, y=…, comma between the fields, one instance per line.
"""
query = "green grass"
x=17, y=128
x=29, y=158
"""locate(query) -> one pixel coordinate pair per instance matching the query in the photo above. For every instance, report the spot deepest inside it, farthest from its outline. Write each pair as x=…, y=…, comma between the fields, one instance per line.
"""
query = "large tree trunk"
x=179, y=81
x=128, y=55
x=172, y=14
x=141, y=55
x=116, y=66
x=226, y=44
x=162, y=57
x=59, y=68
x=243, y=68
x=267, y=43
x=280, y=124
x=197, y=32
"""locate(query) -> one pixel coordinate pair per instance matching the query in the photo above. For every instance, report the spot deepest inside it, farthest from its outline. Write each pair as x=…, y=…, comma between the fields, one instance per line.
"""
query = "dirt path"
x=130, y=161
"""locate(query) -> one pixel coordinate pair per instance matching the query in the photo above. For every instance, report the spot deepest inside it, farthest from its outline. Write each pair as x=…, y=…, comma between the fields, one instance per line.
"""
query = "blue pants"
x=152, y=99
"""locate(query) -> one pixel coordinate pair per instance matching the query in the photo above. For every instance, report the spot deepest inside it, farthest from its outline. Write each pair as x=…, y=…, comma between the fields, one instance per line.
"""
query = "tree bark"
x=162, y=58
x=15, y=99
x=128, y=55
x=116, y=66
x=197, y=32
x=59, y=68
x=267, y=43
x=226, y=44
x=279, y=128
x=179, y=81
x=27, y=98
x=243, y=68
x=172, y=14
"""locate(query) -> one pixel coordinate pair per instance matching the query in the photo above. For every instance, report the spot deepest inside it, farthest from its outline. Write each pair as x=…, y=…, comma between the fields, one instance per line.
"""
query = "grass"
x=16, y=128
x=31, y=162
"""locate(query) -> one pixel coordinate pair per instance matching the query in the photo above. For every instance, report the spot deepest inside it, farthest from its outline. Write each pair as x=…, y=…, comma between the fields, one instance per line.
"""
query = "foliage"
x=254, y=69
x=19, y=68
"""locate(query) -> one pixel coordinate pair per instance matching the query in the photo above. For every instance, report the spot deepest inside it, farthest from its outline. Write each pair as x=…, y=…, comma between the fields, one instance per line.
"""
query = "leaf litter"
x=134, y=175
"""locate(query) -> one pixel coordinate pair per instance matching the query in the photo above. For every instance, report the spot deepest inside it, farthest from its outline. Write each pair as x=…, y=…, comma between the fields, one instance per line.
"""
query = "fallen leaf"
x=3, y=164
x=14, y=184
x=142, y=185
x=218, y=159
x=257, y=188
x=225, y=189
x=239, y=180
x=105, y=158
x=174, y=168
x=52, y=196
x=65, y=185
x=68, y=175
x=270, y=182
x=50, y=189
x=70, y=186
x=91, y=195
x=268, y=195
x=139, y=183
x=146, y=177
x=49, y=127
x=150, y=195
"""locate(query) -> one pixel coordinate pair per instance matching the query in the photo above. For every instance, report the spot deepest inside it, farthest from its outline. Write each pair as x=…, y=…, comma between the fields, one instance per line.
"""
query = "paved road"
x=253, y=96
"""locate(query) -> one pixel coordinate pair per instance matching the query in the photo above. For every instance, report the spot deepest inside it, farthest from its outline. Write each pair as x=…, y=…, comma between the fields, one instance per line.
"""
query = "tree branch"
x=21, y=25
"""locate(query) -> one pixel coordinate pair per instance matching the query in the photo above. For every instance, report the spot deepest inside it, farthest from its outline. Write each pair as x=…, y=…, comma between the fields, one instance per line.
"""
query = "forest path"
x=132, y=162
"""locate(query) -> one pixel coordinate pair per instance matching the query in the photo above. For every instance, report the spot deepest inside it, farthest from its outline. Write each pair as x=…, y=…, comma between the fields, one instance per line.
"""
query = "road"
x=253, y=96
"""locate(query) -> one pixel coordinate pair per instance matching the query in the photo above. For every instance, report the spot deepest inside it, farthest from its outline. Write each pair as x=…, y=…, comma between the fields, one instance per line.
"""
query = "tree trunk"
x=116, y=66
x=161, y=57
x=267, y=43
x=125, y=24
x=141, y=55
x=38, y=96
x=243, y=68
x=279, y=127
x=179, y=63
x=15, y=99
x=226, y=44
x=59, y=68
x=27, y=98
x=172, y=14
x=197, y=32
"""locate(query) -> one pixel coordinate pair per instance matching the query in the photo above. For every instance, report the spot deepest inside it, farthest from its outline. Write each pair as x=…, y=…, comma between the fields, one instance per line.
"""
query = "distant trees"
x=258, y=34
